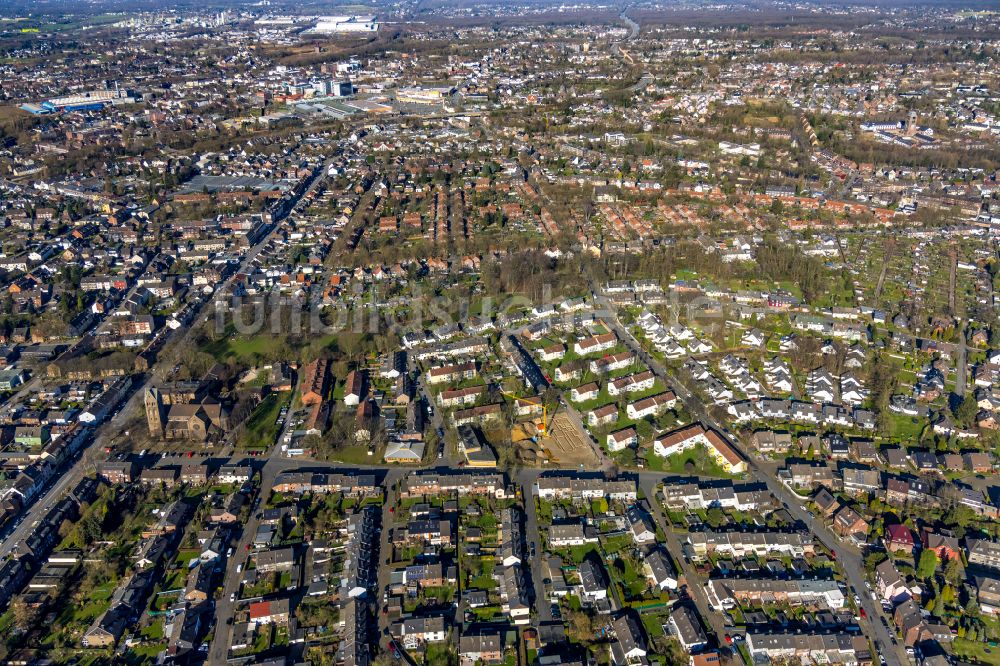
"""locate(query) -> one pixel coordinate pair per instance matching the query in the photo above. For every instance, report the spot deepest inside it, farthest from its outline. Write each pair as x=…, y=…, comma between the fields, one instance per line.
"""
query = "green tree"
x=927, y=564
x=715, y=516
x=953, y=571
x=965, y=412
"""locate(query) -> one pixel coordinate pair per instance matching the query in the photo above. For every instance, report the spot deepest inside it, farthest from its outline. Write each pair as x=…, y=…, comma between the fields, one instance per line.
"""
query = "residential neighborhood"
x=524, y=333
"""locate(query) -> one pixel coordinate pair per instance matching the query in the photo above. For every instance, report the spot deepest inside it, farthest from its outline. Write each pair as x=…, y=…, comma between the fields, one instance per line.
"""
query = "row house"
x=642, y=381
x=451, y=373
x=460, y=397
x=433, y=532
x=550, y=487
x=571, y=534
x=478, y=415
x=429, y=484
x=612, y=363
x=695, y=434
x=843, y=649
x=595, y=344
x=741, y=544
x=357, y=485
x=514, y=598
x=728, y=593
x=743, y=497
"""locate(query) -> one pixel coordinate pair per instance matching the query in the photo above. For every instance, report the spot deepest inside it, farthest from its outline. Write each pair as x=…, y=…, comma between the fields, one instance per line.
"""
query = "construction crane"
x=543, y=430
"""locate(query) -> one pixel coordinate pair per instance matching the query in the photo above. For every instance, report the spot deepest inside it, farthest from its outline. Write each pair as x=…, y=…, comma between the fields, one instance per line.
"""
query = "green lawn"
x=153, y=631
x=261, y=429
x=99, y=600
x=653, y=624
x=483, y=582
x=481, y=570
x=284, y=580
x=263, y=639
x=354, y=455
x=487, y=613
x=617, y=543
x=903, y=427
x=185, y=555
x=176, y=580
x=439, y=595
x=247, y=351
x=975, y=651
x=144, y=653
x=440, y=654
x=579, y=553
x=633, y=581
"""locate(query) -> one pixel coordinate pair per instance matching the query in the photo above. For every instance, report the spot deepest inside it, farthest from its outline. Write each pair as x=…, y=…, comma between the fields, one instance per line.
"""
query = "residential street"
x=526, y=480
x=648, y=483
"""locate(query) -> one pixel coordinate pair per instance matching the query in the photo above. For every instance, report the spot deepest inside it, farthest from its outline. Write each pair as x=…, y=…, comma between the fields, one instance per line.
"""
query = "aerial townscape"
x=499, y=332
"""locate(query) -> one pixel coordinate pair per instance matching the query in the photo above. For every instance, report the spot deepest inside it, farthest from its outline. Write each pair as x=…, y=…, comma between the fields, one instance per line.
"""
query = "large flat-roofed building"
x=346, y=24
x=424, y=94
x=90, y=100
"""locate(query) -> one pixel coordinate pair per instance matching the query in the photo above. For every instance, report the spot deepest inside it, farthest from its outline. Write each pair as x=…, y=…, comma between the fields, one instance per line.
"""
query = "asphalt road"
x=392, y=478
x=273, y=465
x=451, y=456
x=526, y=480
x=224, y=608
x=16, y=534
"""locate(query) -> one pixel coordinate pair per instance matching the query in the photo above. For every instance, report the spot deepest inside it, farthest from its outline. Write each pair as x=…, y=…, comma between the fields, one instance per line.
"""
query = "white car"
x=232, y=597
x=239, y=568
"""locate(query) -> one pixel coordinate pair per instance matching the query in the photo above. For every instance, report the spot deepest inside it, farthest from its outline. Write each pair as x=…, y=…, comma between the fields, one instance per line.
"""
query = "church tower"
x=154, y=412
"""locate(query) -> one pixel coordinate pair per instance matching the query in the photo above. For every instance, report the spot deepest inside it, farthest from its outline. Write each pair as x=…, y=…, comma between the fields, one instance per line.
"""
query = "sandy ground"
x=568, y=445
